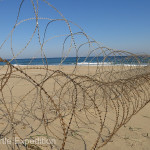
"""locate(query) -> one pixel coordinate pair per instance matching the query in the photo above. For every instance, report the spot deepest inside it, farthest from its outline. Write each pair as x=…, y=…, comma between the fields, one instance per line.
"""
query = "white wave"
x=87, y=63
x=18, y=65
x=95, y=63
x=108, y=64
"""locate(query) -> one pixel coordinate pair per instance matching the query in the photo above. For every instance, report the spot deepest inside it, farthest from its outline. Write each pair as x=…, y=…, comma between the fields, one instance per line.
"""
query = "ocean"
x=110, y=60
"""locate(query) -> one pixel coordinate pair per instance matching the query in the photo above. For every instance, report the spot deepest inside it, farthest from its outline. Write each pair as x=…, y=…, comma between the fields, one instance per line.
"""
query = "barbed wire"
x=73, y=107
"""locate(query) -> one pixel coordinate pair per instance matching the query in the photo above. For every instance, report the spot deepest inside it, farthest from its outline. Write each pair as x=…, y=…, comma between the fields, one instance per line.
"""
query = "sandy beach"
x=78, y=107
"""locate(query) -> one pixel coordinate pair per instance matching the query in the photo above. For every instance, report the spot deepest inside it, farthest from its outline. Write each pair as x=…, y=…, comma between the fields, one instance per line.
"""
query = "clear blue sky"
x=118, y=24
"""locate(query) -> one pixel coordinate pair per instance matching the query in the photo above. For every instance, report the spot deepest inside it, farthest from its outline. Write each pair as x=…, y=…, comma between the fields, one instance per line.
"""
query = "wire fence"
x=68, y=107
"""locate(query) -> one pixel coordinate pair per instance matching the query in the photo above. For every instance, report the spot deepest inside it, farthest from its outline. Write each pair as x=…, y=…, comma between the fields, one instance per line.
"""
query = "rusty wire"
x=78, y=110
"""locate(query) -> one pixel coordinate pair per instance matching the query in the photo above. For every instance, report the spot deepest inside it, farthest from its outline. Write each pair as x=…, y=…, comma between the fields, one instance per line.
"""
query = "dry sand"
x=25, y=107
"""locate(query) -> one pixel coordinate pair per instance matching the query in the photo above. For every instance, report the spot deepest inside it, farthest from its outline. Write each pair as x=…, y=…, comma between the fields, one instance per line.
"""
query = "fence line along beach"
x=89, y=97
